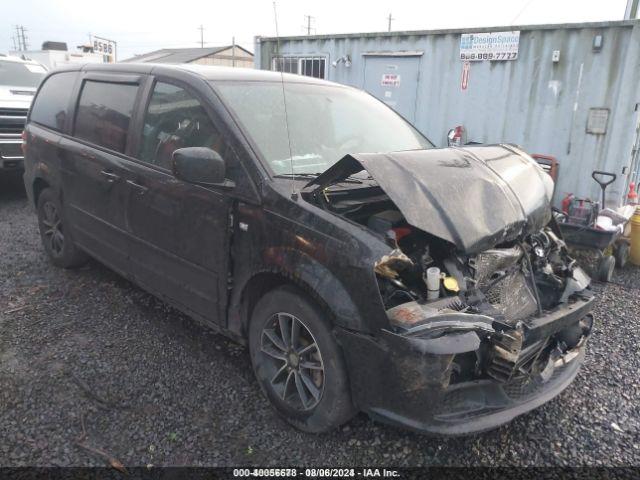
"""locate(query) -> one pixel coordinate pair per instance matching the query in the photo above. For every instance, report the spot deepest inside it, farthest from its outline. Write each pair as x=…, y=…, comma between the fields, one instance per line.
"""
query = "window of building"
x=51, y=104
x=104, y=113
x=314, y=66
x=175, y=119
x=285, y=64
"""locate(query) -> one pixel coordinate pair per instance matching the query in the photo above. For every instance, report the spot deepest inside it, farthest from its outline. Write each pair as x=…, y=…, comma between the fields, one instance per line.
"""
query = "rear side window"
x=104, y=113
x=51, y=105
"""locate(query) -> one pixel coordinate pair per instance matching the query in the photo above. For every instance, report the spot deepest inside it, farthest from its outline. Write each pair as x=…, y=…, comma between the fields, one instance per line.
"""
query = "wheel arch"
x=311, y=278
x=38, y=186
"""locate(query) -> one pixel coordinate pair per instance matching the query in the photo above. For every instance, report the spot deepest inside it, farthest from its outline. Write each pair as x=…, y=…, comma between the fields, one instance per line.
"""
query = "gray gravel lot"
x=86, y=350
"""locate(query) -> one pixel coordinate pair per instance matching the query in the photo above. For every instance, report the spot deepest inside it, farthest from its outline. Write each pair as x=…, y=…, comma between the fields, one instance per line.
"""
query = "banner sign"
x=476, y=47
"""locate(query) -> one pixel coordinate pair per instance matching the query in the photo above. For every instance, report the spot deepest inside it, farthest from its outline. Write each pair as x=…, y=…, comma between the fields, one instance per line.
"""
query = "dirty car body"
x=356, y=234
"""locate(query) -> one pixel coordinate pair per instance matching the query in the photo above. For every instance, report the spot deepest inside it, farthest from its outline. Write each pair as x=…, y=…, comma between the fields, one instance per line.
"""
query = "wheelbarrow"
x=580, y=233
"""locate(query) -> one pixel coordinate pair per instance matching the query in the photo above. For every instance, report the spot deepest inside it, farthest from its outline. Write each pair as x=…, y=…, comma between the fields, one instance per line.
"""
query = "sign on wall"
x=597, y=121
x=464, y=81
x=104, y=47
x=390, y=80
x=475, y=47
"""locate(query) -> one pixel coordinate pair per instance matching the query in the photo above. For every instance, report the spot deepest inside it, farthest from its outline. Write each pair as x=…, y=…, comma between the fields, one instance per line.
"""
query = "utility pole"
x=21, y=39
x=201, y=28
x=390, y=18
x=18, y=38
x=25, y=43
x=233, y=51
x=308, y=19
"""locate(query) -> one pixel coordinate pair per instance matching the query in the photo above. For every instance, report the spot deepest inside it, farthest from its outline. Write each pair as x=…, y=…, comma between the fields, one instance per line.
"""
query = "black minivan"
x=364, y=268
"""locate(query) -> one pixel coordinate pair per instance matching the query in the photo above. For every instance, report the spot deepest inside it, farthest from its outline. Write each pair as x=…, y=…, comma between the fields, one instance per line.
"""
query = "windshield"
x=16, y=74
x=325, y=124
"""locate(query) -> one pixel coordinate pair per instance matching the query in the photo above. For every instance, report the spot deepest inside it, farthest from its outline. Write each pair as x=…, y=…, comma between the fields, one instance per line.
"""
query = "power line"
x=526, y=5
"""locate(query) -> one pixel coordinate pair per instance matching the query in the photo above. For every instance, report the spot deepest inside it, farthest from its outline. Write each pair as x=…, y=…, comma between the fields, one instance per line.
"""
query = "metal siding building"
x=228, y=56
x=531, y=101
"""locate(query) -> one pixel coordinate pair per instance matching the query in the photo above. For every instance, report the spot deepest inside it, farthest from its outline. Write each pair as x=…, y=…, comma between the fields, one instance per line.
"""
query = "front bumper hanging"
x=457, y=377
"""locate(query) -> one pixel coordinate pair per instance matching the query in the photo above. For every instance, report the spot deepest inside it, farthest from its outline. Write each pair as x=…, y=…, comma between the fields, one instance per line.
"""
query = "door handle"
x=110, y=177
x=141, y=189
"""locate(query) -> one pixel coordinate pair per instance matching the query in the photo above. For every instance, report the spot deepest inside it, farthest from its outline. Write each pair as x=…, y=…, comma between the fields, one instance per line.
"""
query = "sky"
x=141, y=26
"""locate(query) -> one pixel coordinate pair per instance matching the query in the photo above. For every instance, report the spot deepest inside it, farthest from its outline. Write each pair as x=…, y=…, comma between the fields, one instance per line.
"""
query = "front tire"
x=54, y=233
x=298, y=363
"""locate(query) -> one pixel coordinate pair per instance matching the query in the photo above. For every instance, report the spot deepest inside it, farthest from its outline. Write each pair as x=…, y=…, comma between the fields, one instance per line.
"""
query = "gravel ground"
x=87, y=357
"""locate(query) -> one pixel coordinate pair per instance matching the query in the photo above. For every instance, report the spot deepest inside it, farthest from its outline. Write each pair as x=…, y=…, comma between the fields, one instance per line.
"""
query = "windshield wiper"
x=349, y=179
x=302, y=175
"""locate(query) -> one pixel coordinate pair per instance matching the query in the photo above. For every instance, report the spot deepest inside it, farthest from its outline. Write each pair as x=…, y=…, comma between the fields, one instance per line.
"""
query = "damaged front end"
x=507, y=341
x=489, y=315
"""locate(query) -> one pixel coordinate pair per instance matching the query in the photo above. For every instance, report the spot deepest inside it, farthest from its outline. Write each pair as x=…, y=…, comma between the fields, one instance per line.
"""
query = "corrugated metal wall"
x=529, y=101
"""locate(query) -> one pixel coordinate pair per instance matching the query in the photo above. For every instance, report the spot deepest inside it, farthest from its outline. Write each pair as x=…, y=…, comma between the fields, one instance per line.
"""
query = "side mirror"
x=199, y=165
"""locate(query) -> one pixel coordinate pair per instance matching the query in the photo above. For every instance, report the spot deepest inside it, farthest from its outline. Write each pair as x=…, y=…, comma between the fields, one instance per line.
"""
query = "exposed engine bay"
x=510, y=282
x=478, y=280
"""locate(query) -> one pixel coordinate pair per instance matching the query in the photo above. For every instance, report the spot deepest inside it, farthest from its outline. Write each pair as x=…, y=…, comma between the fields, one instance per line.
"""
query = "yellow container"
x=635, y=237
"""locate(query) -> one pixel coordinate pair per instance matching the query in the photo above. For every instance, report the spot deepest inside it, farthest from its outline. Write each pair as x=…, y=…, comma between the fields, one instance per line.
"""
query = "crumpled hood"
x=475, y=197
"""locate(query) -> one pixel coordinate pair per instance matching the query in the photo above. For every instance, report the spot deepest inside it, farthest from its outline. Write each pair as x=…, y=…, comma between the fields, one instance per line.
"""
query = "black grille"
x=10, y=149
x=524, y=387
x=12, y=128
x=13, y=112
x=12, y=120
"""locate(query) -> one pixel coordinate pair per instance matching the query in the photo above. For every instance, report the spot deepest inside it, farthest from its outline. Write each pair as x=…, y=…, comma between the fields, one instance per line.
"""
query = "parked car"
x=427, y=287
x=19, y=79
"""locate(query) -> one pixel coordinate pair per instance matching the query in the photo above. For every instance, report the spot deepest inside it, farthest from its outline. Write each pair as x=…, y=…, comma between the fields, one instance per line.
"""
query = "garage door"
x=394, y=80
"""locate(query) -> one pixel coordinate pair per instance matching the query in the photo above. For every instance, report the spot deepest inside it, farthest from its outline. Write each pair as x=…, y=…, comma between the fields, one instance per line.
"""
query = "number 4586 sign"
x=105, y=47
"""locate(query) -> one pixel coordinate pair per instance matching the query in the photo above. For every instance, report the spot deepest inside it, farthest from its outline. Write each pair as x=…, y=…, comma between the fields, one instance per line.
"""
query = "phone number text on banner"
x=489, y=46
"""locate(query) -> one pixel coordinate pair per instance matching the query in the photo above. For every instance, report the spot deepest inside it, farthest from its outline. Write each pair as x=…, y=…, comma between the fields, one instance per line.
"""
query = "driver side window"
x=175, y=119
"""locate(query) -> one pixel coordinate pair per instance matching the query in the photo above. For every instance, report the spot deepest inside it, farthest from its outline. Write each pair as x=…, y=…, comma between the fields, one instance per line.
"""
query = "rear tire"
x=605, y=268
x=298, y=363
x=622, y=254
x=55, y=234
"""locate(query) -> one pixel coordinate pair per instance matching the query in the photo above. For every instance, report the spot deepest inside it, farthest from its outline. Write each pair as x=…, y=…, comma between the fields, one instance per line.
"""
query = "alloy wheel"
x=293, y=360
x=52, y=231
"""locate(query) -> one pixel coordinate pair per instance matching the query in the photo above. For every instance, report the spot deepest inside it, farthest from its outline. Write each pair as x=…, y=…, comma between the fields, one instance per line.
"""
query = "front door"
x=394, y=80
x=92, y=168
x=180, y=231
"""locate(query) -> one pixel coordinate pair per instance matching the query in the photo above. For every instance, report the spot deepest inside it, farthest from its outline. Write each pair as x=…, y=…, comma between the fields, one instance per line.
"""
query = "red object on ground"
x=566, y=201
x=632, y=196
